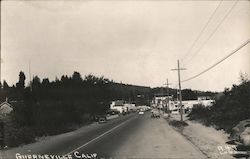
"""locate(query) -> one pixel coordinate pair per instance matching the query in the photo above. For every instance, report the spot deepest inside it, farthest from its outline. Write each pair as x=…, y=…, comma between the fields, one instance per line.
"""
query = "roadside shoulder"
x=208, y=140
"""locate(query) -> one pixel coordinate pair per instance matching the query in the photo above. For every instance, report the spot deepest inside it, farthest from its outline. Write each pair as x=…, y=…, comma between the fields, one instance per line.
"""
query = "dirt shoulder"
x=208, y=140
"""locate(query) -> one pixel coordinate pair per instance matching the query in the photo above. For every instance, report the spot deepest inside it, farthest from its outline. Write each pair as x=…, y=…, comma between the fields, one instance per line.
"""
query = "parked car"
x=241, y=133
x=102, y=120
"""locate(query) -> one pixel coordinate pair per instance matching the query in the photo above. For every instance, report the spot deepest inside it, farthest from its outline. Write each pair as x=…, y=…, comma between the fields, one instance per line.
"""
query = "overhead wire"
x=200, y=34
x=224, y=58
x=202, y=31
x=214, y=31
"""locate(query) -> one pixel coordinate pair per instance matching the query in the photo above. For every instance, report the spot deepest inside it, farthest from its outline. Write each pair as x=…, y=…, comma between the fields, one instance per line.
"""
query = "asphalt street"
x=130, y=136
x=142, y=137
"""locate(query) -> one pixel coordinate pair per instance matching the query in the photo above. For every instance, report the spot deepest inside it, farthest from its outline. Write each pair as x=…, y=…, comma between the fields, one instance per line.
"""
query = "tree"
x=77, y=77
x=64, y=78
x=5, y=85
x=21, y=83
x=188, y=94
x=36, y=82
x=243, y=77
x=45, y=82
x=226, y=91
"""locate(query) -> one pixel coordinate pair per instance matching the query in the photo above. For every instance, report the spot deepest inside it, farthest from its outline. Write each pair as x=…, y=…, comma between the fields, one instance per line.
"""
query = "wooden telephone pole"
x=167, y=84
x=179, y=81
x=30, y=77
x=168, y=107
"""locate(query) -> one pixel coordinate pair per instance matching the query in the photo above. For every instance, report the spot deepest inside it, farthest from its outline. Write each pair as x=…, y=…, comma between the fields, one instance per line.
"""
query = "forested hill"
x=72, y=87
x=90, y=87
x=187, y=94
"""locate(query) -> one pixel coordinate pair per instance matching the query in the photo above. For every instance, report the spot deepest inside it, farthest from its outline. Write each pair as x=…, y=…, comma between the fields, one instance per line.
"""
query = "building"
x=5, y=123
x=160, y=101
x=130, y=107
x=189, y=104
x=5, y=108
x=200, y=98
x=122, y=106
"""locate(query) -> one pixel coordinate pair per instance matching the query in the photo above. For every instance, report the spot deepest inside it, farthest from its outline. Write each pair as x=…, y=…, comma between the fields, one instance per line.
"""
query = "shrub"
x=228, y=110
x=178, y=124
x=19, y=135
x=199, y=112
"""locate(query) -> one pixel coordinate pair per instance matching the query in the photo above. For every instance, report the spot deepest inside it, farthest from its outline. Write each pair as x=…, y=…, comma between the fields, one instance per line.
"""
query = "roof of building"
x=119, y=103
x=5, y=103
x=5, y=108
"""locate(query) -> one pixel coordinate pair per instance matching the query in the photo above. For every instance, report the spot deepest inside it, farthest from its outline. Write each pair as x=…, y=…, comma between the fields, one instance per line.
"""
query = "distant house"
x=5, y=123
x=118, y=105
x=130, y=107
x=189, y=104
x=121, y=106
x=161, y=100
x=5, y=108
x=200, y=98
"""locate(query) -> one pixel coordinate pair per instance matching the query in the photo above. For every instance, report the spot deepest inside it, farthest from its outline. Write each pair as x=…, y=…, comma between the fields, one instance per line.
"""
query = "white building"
x=130, y=107
x=161, y=101
x=189, y=104
x=121, y=106
x=5, y=108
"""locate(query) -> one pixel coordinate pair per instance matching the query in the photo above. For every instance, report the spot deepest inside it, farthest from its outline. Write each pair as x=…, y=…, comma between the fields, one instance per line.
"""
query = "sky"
x=133, y=42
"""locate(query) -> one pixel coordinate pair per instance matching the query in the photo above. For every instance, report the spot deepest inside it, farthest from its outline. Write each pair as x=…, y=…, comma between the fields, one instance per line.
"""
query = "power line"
x=214, y=31
x=203, y=29
x=209, y=68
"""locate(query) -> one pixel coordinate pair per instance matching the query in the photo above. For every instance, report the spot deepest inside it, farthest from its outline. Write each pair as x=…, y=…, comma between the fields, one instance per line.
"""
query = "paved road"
x=131, y=136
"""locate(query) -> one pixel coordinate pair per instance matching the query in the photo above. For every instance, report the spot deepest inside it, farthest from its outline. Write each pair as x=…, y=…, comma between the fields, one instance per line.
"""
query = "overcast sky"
x=136, y=42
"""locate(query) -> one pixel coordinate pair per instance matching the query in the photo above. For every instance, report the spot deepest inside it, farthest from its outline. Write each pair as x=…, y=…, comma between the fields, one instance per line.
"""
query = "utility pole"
x=167, y=86
x=0, y=69
x=0, y=55
x=30, y=77
x=162, y=102
x=179, y=79
x=0, y=64
x=168, y=97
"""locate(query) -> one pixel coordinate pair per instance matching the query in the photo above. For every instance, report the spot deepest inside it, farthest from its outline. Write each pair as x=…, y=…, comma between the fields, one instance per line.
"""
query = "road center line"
x=98, y=137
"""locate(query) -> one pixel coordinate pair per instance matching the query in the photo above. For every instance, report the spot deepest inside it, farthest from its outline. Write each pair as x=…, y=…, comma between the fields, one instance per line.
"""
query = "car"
x=155, y=114
x=241, y=133
x=141, y=113
x=102, y=120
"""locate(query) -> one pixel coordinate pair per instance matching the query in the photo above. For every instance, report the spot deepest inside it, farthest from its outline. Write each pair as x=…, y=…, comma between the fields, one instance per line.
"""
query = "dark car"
x=241, y=133
x=102, y=120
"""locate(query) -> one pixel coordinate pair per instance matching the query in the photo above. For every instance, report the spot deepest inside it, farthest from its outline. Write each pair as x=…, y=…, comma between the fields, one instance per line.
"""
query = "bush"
x=19, y=135
x=228, y=110
x=200, y=112
x=178, y=124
